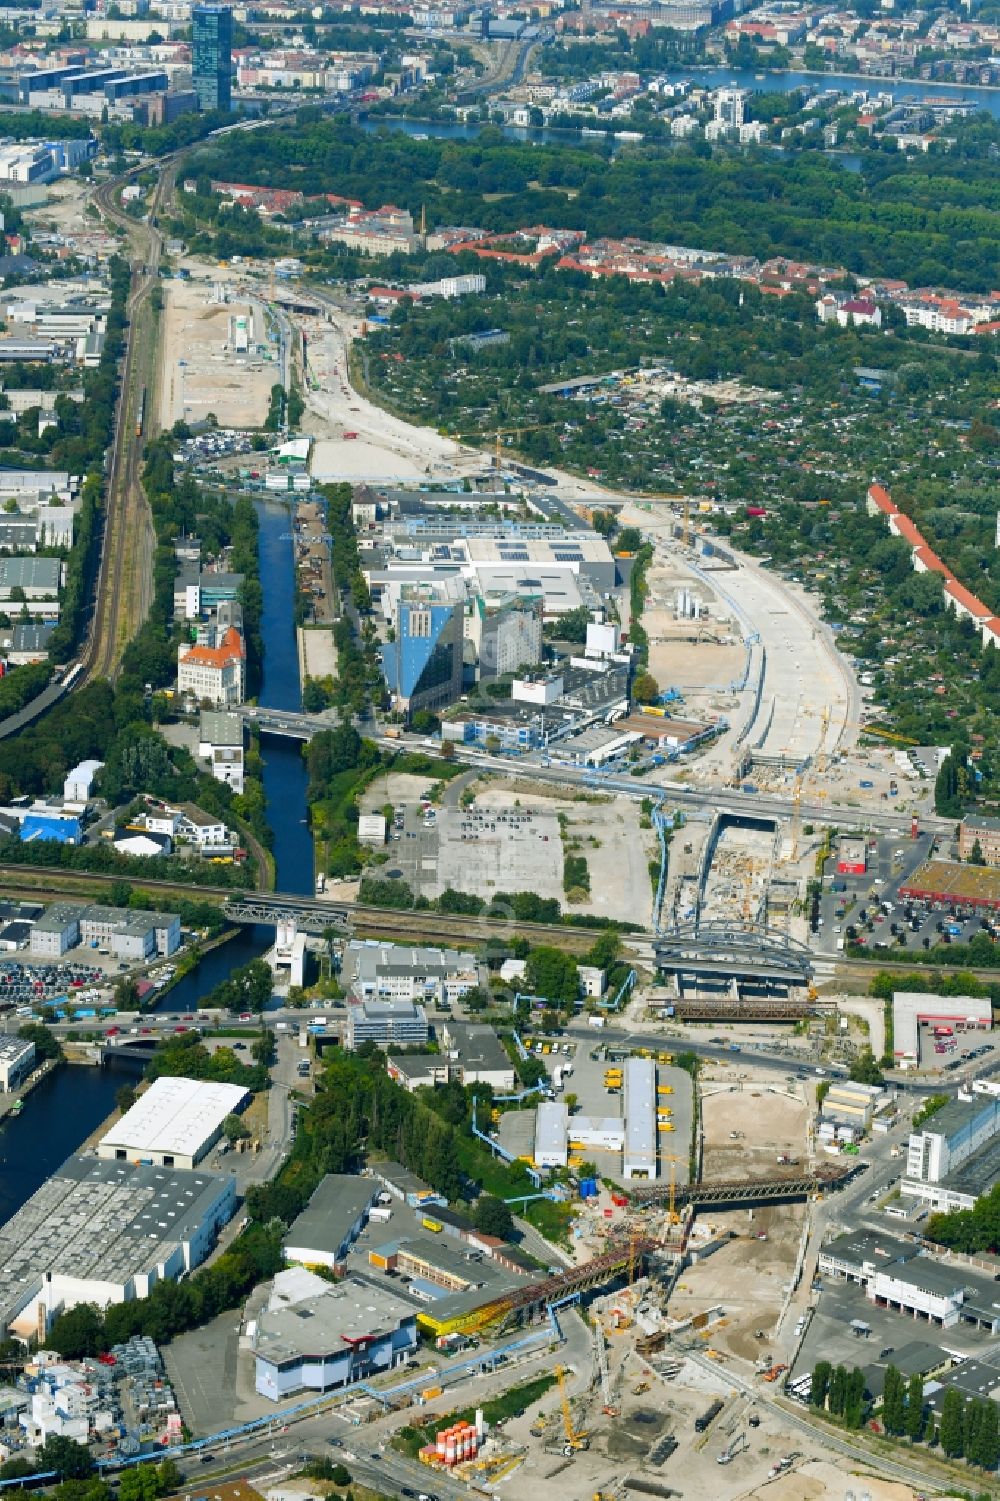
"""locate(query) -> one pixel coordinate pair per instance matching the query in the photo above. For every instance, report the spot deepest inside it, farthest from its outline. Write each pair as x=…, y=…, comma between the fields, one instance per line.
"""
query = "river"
x=69, y=1105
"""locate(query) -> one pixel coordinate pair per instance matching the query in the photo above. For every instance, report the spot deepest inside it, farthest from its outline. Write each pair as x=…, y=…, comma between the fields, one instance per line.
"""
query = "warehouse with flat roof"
x=175, y=1123
x=332, y=1220
x=106, y=1232
x=639, y=1156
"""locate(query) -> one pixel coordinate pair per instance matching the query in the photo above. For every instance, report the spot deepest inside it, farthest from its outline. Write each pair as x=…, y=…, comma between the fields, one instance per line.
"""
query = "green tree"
x=915, y=1407
x=47, y=1044
x=864, y=1068
x=70, y=1459
x=645, y=688
x=125, y=1097
x=950, y=1432
x=79, y=1331
x=976, y=856
x=820, y=1390
x=493, y=1217
x=987, y=1453
x=552, y=974
x=893, y=1402
x=234, y=1129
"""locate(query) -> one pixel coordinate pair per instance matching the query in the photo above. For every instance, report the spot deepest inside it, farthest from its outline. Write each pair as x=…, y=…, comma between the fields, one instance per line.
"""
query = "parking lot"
x=869, y=910
x=36, y=984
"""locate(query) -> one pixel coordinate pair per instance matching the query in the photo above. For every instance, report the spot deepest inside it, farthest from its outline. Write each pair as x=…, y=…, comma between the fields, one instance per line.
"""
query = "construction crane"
x=574, y=1440
x=503, y=432
x=672, y=1216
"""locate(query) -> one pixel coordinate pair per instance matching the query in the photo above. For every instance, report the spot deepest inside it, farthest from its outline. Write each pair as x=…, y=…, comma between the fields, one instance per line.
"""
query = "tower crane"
x=503, y=432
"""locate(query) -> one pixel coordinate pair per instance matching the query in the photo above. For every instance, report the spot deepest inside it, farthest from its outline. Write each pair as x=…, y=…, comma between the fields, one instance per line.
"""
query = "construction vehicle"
x=575, y=1440
x=643, y=1386
x=775, y=1371
x=664, y=1089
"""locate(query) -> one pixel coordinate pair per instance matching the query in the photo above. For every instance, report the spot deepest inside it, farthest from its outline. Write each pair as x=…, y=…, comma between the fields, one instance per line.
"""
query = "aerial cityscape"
x=499, y=720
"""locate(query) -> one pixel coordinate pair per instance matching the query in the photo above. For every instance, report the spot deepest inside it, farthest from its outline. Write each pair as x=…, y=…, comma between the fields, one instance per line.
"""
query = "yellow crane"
x=574, y=1439
x=672, y=1215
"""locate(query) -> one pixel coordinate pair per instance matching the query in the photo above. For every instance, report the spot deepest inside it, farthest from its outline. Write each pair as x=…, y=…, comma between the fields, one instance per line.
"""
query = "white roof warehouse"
x=175, y=1123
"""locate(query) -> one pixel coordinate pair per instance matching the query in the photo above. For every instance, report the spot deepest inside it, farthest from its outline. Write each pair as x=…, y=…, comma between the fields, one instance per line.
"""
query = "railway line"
x=124, y=582
x=48, y=882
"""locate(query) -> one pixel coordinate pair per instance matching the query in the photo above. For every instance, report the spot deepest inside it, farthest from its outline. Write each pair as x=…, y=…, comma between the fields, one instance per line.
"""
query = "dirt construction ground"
x=198, y=374
x=746, y=1277
x=747, y=1129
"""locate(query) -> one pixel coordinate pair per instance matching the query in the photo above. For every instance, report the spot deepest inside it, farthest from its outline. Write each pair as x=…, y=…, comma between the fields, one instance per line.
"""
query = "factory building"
x=639, y=1156
x=331, y=1222
x=105, y=1232
x=314, y=1336
x=852, y=1104
x=17, y=1059
x=125, y=933
x=175, y=1123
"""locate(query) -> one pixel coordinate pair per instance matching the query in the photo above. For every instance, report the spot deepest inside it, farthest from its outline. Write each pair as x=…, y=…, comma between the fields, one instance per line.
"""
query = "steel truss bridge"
x=788, y=1186
x=272, y=908
x=717, y=950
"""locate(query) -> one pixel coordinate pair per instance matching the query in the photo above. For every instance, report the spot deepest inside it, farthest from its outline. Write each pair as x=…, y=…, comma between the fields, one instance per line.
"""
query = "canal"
x=69, y=1105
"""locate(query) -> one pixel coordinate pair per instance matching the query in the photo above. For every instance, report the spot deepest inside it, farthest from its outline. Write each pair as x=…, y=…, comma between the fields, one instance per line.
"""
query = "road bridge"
x=287, y=722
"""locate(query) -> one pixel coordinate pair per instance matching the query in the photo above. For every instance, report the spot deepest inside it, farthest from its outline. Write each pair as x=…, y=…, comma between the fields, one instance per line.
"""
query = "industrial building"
x=174, y=1123
x=448, y=1280
x=384, y=1022
x=551, y=1134
x=123, y=931
x=475, y=1055
x=314, y=1336
x=17, y=1059
x=953, y=1157
x=852, y=1104
x=912, y=1010
x=105, y=1232
x=331, y=1222
x=397, y=972
x=897, y=1277
x=639, y=1156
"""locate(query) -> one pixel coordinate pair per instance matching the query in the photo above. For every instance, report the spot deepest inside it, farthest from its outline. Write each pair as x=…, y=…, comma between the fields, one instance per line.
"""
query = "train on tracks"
x=140, y=420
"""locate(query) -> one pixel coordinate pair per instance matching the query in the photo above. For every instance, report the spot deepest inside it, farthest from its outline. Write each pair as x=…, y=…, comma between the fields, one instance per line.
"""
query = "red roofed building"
x=214, y=673
x=962, y=600
x=880, y=502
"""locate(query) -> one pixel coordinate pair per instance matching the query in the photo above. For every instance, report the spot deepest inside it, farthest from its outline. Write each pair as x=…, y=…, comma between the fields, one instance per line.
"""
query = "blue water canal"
x=71, y=1103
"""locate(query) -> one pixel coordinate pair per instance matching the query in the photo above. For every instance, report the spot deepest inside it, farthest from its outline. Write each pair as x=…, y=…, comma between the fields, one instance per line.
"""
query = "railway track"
x=28, y=881
x=124, y=581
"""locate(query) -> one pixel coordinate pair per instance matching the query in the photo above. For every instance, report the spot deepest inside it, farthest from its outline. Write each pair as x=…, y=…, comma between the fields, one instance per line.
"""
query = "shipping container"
x=435, y=1226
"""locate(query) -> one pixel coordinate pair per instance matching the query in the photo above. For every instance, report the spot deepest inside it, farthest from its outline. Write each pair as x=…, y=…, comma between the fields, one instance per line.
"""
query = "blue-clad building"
x=317, y=1336
x=212, y=59
x=423, y=666
x=49, y=826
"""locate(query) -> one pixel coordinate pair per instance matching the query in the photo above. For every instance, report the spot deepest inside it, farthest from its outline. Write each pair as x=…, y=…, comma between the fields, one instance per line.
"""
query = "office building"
x=977, y=829
x=316, y=1337
x=384, y=1022
x=175, y=1123
x=57, y=930
x=953, y=1157
x=220, y=743
x=105, y=1232
x=505, y=632
x=17, y=1059
x=331, y=1222
x=423, y=666
x=213, y=674
x=212, y=56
